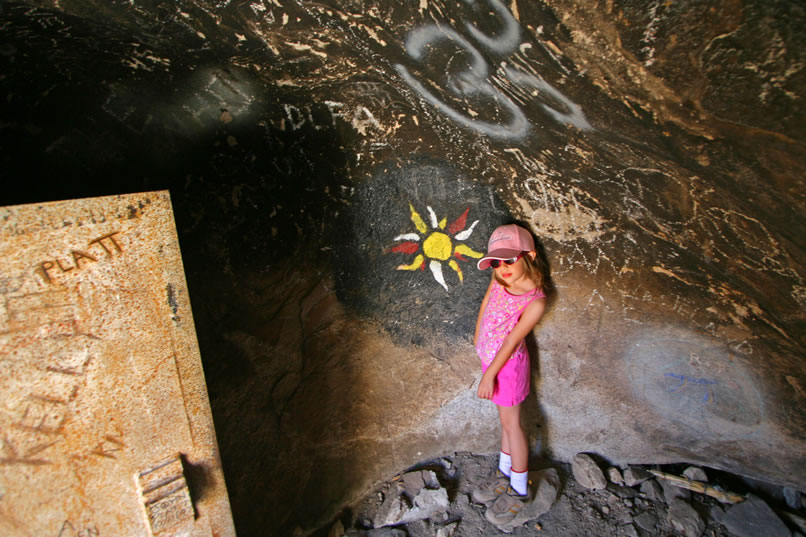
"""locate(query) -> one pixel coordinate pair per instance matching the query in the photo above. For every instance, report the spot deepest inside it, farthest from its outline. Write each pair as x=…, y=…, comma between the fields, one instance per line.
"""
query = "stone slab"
x=105, y=425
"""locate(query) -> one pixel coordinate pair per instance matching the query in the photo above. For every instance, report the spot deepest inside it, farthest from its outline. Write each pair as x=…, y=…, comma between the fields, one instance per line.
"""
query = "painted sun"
x=436, y=245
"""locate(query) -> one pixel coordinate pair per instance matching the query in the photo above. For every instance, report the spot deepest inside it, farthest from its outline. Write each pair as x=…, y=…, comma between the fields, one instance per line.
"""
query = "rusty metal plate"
x=105, y=425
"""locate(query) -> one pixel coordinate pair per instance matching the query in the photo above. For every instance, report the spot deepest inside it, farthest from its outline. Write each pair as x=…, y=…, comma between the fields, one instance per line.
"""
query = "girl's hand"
x=486, y=386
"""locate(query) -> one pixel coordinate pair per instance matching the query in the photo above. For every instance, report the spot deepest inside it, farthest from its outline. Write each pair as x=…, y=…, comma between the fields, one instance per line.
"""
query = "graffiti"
x=650, y=35
x=692, y=382
x=69, y=530
x=79, y=257
x=574, y=116
x=319, y=117
x=761, y=250
x=473, y=81
x=686, y=381
x=508, y=40
x=42, y=413
x=437, y=245
x=562, y=213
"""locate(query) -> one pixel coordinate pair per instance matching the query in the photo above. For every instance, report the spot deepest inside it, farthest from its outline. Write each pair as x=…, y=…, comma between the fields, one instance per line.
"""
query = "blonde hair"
x=536, y=269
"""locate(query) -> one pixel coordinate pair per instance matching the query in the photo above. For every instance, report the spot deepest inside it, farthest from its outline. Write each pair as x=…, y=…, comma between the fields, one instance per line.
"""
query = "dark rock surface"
x=656, y=149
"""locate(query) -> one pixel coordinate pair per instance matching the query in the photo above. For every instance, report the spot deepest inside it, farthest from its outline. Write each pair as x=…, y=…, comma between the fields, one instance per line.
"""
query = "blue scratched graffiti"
x=686, y=380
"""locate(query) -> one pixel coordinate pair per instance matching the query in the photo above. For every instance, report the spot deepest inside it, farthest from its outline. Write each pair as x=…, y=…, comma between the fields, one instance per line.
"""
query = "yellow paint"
x=466, y=250
x=417, y=220
x=438, y=246
x=417, y=263
x=443, y=223
x=455, y=266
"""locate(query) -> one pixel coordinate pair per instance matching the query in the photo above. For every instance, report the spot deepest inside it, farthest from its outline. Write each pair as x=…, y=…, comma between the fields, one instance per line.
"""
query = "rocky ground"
x=584, y=499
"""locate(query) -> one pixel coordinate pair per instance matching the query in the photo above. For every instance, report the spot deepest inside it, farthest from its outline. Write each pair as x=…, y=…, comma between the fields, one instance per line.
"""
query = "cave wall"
x=655, y=149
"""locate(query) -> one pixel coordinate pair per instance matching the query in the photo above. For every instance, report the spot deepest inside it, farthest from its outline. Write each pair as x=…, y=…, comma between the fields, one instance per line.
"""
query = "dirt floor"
x=614, y=511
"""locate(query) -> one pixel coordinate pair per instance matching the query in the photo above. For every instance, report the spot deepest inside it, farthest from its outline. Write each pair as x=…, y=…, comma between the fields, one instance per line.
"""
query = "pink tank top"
x=501, y=315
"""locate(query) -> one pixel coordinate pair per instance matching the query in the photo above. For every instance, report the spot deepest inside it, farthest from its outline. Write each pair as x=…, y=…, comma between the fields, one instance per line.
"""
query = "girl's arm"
x=481, y=310
x=529, y=318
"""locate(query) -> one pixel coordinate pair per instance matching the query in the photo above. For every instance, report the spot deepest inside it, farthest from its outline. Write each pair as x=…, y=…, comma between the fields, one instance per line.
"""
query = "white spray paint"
x=509, y=38
x=470, y=83
x=474, y=83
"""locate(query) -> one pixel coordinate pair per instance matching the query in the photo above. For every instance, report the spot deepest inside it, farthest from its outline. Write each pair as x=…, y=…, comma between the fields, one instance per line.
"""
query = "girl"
x=511, y=308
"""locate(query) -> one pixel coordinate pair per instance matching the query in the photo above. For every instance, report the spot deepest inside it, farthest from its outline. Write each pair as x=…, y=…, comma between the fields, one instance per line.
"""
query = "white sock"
x=518, y=481
x=505, y=463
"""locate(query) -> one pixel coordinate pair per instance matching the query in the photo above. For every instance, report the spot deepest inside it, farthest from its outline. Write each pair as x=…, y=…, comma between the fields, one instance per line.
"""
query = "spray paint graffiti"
x=685, y=381
x=437, y=244
x=473, y=82
x=692, y=382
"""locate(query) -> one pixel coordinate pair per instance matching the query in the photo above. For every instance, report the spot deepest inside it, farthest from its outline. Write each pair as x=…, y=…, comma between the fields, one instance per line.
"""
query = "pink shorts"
x=512, y=381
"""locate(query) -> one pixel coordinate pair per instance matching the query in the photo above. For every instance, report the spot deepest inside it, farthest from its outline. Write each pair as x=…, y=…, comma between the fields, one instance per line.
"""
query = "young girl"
x=511, y=308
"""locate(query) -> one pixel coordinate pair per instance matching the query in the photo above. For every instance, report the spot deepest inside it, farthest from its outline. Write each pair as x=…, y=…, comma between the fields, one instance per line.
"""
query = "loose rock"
x=587, y=472
x=671, y=492
x=614, y=474
x=412, y=483
x=646, y=521
x=630, y=531
x=793, y=498
x=685, y=519
x=447, y=530
x=753, y=518
x=695, y=474
x=652, y=490
x=635, y=476
x=386, y=532
x=427, y=503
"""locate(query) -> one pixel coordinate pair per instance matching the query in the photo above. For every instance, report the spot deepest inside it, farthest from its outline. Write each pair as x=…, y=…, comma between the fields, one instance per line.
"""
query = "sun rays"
x=435, y=245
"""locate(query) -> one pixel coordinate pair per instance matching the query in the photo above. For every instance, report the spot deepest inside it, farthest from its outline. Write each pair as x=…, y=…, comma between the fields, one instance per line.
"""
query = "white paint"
x=469, y=83
x=408, y=237
x=473, y=83
x=433, y=216
x=466, y=233
x=436, y=270
x=574, y=116
x=508, y=40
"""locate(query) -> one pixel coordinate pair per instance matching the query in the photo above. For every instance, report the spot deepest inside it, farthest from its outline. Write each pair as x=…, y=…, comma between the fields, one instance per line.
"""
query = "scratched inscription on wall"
x=93, y=350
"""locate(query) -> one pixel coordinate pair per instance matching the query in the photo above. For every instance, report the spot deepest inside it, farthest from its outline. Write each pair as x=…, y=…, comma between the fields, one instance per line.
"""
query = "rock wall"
x=335, y=167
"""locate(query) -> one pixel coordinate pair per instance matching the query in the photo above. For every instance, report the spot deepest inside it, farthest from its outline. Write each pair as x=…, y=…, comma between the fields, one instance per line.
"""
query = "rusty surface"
x=105, y=426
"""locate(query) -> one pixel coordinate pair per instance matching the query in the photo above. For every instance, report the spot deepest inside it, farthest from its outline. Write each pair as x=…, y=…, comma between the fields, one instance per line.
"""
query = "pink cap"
x=507, y=242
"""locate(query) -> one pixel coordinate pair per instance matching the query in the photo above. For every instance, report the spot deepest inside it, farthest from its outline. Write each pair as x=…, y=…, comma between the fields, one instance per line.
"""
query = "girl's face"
x=513, y=274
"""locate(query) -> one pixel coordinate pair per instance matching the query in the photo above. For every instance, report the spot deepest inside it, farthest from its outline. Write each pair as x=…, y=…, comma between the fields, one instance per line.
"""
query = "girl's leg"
x=505, y=457
x=513, y=438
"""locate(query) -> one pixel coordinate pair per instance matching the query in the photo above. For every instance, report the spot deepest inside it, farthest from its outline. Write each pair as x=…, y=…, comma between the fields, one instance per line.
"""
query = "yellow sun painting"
x=436, y=245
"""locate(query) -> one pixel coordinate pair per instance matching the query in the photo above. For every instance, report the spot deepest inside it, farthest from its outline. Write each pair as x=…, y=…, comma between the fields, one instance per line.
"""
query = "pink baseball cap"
x=507, y=242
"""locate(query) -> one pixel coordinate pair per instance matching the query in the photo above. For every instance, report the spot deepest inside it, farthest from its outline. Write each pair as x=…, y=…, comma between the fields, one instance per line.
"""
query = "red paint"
x=407, y=247
x=458, y=224
x=459, y=256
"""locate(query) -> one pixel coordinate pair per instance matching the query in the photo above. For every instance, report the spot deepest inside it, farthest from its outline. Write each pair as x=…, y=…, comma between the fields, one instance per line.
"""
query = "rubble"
x=635, y=476
x=753, y=518
x=685, y=519
x=587, y=472
x=434, y=500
